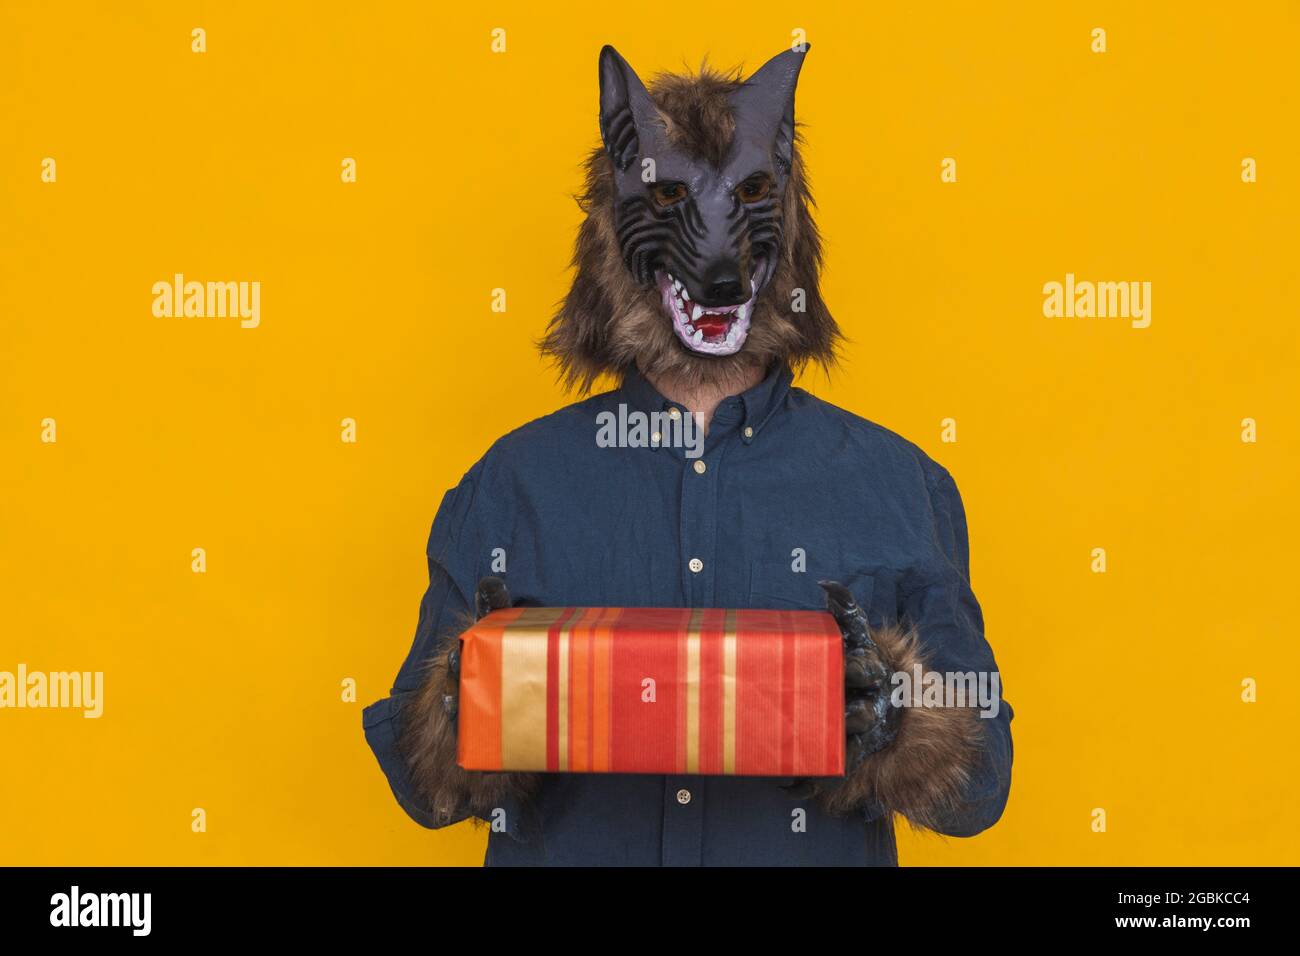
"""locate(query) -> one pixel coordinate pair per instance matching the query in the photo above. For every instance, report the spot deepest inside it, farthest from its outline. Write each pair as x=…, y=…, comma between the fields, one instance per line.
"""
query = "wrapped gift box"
x=653, y=690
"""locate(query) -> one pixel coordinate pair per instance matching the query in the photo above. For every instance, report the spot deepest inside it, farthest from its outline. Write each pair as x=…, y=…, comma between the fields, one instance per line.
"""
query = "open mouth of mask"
x=709, y=330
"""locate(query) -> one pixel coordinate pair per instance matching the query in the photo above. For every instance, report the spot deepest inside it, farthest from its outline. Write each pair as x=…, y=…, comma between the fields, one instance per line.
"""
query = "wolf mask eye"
x=668, y=194
x=754, y=189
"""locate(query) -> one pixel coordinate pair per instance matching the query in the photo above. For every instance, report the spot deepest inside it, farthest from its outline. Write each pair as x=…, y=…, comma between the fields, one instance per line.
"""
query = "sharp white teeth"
x=696, y=313
x=698, y=337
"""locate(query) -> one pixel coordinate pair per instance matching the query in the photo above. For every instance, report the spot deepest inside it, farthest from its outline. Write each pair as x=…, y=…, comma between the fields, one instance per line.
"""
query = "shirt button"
x=674, y=414
x=749, y=432
x=683, y=797
x=696, y=565
x=699, y=466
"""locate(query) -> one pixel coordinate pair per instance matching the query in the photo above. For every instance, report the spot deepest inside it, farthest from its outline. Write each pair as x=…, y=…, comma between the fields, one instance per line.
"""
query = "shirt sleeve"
x=454, y=560
x=941, y=605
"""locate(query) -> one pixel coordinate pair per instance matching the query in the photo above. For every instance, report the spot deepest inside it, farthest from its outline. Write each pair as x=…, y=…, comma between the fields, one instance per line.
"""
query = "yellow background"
x=223, y=689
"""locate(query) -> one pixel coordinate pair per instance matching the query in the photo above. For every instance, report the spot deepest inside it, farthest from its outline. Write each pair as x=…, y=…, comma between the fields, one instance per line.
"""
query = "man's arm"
x=443, y=612
x=412, y=731
x=384, y=720
x=950, y=629
x=945, y=768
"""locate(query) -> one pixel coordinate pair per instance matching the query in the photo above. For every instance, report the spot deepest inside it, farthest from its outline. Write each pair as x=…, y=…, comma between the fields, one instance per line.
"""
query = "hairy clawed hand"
x=869, y=721
x=490, y=595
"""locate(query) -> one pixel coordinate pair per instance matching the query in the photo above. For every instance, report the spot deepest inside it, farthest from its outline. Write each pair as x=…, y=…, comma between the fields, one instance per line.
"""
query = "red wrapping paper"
x=653, y=690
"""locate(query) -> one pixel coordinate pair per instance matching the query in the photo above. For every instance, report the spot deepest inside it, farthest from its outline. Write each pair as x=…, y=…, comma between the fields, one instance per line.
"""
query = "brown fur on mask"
x=608, y=324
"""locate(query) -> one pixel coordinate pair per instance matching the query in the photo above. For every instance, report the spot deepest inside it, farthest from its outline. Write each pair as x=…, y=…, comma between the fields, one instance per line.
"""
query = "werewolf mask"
x=699, y=258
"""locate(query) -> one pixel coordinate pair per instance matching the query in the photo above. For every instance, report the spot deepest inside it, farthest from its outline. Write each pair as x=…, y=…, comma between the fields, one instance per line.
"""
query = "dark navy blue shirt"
x=792, y=490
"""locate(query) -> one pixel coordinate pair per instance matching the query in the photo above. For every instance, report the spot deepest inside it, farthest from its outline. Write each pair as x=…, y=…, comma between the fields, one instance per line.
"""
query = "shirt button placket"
x=698, y=530
x=683, y=822
x=683, y=833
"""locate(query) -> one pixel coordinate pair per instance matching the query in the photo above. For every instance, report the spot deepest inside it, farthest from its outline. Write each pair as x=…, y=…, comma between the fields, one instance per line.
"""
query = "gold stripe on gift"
x=693, y=692
x=523, y=689
x=562, y=695
x=729, y=693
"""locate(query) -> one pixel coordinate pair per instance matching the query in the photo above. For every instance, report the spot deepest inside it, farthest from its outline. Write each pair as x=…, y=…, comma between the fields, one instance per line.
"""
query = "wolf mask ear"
x=628, y=118
x=764, y=106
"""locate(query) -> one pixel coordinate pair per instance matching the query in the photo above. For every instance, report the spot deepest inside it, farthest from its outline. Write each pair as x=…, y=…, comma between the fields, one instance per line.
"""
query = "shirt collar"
x=753, y=407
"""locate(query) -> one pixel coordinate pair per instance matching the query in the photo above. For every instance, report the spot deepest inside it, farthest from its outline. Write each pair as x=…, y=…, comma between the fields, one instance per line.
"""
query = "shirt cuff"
x=380, y=723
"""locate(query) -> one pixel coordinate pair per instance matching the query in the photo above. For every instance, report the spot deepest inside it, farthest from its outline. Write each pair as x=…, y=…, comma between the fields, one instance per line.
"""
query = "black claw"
x=870, y=721
x=490, y=595
x=451, y=702
x=848, y=614
x=839, y=599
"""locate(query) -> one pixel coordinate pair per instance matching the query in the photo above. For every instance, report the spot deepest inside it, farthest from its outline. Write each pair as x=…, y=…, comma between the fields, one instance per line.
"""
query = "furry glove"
x=912, y=760
x=429, y=737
